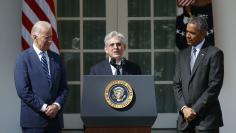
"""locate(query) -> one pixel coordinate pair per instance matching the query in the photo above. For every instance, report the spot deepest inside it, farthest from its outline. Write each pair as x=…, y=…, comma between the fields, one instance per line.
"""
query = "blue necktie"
x=45, y=66
x=118, y=67
x=193, y=57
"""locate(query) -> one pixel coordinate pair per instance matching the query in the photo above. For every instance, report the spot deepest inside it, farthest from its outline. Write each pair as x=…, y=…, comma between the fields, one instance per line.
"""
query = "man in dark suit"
x=115, y=46
x=41, y=84
x=197, y=82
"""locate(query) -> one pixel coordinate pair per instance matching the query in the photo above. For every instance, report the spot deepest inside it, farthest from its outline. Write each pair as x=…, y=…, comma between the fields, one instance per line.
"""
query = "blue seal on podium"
x=118, y=94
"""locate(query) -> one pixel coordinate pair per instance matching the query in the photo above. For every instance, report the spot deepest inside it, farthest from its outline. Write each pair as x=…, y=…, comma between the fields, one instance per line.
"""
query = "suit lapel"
x=186, y=63
x=188, y=58
x=125, y=69
x=107, y=68
x=35, y=59
x=200, y=57
x=52, y=66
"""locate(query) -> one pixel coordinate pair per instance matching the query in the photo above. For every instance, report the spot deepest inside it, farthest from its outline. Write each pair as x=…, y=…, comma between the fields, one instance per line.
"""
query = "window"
x=149, y=26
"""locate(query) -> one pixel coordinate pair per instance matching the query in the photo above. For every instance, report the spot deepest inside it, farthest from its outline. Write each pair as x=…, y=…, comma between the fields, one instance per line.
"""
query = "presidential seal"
x=118, y=94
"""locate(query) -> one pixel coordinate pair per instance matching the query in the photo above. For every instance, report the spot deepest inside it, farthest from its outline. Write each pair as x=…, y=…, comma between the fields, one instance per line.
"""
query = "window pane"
x=68, y=33
x=73, y=101
x=91, y=59
x=68, y=8
x=139, y=8
x=94, y=8
x=164, y=32
x=94, y=33
x=165, y=99
x=143, y=60
x=164, y=8
x=139, y=34
x=164, y=66
x=72, y=66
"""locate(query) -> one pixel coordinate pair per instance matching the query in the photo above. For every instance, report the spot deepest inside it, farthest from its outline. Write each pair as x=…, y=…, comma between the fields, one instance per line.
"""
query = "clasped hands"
x=51, y=110
x=189, y=114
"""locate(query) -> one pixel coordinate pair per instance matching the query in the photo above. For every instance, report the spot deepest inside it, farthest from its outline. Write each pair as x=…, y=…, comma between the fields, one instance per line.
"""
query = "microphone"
x=118, y=67
x=123, y=61
x=113, y=62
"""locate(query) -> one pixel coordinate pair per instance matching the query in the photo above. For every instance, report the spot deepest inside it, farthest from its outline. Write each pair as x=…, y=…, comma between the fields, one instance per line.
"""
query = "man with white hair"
x=115, y=64
x=41, y=84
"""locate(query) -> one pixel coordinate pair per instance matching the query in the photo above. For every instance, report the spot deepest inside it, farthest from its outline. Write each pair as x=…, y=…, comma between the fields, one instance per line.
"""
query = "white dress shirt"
x=198, y=48
x=39, y=53
x=113, y=69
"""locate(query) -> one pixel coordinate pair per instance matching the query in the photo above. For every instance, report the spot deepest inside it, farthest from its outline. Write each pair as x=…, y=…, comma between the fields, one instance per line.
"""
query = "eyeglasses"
x=49, y=38
x=113, y=44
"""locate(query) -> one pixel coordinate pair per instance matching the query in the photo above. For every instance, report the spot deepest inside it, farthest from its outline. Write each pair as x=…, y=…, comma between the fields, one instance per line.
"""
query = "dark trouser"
x=51, y=128
x=194, y=130
x=40, y=130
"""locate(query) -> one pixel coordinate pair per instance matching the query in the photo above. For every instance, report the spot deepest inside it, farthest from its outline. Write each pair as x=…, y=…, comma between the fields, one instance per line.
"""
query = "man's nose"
x=115, y=45
x=187, y=35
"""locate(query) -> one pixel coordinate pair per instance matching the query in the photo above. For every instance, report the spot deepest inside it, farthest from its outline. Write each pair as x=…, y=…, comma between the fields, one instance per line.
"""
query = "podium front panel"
x=96, y=112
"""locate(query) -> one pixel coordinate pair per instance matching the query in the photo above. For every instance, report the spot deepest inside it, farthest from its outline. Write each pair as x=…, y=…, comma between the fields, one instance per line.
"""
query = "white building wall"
x=10, y=24
x=225, y=37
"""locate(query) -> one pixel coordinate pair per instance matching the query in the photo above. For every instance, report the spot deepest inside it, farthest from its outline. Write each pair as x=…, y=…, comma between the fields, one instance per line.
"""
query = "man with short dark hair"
x=197, y=82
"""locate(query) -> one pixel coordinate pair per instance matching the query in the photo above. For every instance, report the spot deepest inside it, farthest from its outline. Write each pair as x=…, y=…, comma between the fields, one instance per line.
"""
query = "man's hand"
x=52, y=110
x=189, y=114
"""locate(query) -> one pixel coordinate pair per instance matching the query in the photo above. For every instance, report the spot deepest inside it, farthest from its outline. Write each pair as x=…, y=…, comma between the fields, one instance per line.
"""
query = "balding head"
x=41, y=34
x=38, y=27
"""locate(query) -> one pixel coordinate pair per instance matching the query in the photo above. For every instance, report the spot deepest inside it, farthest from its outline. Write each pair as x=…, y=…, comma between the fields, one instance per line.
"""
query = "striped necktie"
x=45, y=66
x=193, y=57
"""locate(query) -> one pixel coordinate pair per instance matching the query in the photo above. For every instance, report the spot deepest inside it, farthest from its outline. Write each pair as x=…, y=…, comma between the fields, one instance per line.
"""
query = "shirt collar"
x=199, y=46
x=38, y=51
x=116, y=63
x=113, y=69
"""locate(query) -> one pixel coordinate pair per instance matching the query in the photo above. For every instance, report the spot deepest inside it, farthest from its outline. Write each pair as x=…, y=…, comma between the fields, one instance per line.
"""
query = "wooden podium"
x=99, y=117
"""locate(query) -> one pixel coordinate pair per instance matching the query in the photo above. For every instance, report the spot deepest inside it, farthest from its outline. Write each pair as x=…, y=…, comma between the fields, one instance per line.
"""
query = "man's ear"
x=204, y=34
x=125, y=46
x=105, y=49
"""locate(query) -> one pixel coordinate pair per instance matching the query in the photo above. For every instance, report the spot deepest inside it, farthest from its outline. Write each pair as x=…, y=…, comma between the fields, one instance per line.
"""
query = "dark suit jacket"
x=200, y=89
x=103, y=68
x=34, y=89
